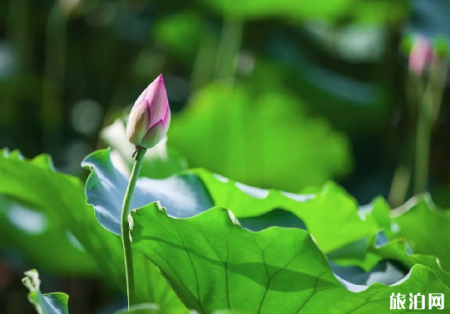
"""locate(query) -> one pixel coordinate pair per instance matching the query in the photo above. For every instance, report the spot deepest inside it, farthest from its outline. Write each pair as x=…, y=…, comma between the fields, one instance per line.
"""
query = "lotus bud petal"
x=421, y=56
x=149, y=119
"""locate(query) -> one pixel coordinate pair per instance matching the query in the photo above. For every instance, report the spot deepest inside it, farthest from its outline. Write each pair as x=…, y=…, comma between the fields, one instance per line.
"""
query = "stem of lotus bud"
x=126, y=240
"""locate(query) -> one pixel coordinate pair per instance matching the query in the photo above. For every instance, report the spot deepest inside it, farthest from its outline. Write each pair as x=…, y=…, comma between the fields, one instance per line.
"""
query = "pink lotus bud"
x=421, y=55
x=150, y=116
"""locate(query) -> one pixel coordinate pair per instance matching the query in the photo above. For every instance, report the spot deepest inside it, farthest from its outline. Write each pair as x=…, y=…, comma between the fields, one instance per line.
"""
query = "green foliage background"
x=272, y=101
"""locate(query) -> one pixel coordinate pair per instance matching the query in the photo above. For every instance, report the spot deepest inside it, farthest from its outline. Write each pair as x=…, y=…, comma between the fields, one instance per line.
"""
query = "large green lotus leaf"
x=426, y=228
x=44, y=242
x=329, y=213
x=264, y=140
x=259, y=209
x=213, y=263
x=159, y=162
x=61, y=196
x=326, y=212
x=183, y=194
x=50, y=303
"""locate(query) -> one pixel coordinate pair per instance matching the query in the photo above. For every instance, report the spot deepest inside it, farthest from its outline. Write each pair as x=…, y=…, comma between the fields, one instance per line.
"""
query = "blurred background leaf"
x=262, y=140
x=273, y=94
x=42, y=241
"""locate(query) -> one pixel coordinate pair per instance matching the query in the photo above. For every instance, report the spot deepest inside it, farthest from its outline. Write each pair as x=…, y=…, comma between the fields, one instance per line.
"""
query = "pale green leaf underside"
x=184, y=194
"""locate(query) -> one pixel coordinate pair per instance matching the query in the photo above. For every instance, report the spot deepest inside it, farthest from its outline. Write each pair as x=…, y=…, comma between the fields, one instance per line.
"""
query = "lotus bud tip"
x=149, y=118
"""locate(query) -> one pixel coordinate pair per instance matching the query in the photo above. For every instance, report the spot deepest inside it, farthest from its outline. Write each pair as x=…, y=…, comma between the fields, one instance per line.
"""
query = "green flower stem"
x=126, y=241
